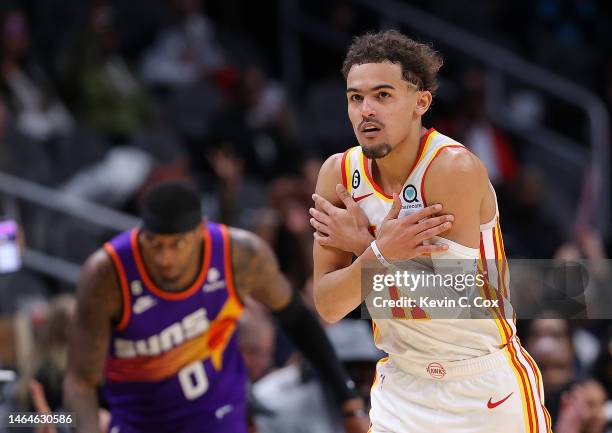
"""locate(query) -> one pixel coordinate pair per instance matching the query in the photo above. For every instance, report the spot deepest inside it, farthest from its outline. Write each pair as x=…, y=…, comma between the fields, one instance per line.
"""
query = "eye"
x=355, y=97
x=383, y=95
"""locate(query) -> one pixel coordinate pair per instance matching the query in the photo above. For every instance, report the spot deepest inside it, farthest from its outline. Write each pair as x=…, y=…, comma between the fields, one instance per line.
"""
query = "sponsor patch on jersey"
x=410, y=193
x=213, y=282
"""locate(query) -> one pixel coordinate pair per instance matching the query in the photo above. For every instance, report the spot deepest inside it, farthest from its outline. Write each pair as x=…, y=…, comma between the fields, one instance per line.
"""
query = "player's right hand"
x=345, y=229
x=402, y=238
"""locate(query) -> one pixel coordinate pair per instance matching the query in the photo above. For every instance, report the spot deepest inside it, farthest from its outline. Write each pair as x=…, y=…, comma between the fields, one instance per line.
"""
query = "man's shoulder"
x=332, y=165
x=99, y=281
x=456, y=163
x=99, y=264
x=246, y=244
x=456, y=173
x=239, y=235
x=330, y=175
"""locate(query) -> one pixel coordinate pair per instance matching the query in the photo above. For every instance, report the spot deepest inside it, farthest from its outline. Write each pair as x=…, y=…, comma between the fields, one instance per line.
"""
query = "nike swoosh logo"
x=492, y=405
x=223, y=410
x=361, y=197
x=142, y=304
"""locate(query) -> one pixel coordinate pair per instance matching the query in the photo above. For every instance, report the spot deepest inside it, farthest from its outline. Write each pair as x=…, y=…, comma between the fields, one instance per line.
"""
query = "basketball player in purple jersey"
x=156, y=323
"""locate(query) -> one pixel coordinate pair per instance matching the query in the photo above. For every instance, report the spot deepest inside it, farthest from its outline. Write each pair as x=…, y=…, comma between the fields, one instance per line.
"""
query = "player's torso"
x=412, y=332
x=175, y=355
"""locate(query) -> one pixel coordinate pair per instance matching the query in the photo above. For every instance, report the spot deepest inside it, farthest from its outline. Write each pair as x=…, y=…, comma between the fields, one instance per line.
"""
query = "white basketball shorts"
x=501, y=392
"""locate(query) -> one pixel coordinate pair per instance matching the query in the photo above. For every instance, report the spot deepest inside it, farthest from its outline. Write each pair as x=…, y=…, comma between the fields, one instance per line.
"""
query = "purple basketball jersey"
x=173, y=363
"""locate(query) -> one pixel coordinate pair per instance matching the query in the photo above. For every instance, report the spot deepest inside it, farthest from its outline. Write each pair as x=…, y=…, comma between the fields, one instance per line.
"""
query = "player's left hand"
x=345, y=229
x=359, y=422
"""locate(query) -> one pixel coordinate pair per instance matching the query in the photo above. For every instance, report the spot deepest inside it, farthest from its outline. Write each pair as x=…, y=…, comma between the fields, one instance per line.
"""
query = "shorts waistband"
x=452, y=370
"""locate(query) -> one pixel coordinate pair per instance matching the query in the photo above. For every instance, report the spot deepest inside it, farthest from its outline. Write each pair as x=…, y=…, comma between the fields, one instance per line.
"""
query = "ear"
x=423, y=101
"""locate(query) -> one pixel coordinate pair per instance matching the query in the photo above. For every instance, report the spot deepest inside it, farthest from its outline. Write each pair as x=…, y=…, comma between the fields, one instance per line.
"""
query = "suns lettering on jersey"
x=192, y=326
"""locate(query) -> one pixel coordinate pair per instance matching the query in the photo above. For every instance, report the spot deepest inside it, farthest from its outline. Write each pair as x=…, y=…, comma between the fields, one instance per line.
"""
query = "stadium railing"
x=13, y=188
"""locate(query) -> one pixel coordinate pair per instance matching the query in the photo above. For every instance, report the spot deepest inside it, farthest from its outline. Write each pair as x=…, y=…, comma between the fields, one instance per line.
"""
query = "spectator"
x=582, y=409
x=557, y=362
x=30, y=96
x=109, y=97
x=524, y=219
x=186, y=51
x=483, y=138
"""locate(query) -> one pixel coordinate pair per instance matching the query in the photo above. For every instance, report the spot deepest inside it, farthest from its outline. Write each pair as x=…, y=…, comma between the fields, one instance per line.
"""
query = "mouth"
x=167, y=273
x=370, y=131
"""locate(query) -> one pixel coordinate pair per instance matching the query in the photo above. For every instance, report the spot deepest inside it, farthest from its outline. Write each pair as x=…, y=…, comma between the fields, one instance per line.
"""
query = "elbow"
x=324, y=307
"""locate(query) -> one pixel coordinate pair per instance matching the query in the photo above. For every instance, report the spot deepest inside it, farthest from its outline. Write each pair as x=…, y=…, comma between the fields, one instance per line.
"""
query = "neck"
x=392, y=171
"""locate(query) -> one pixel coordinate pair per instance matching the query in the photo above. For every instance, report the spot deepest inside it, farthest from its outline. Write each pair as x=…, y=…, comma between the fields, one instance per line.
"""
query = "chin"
x=170, y=279
x=376, y=151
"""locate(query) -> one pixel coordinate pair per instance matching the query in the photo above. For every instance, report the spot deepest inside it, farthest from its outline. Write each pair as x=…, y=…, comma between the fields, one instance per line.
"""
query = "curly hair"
x=420, y=62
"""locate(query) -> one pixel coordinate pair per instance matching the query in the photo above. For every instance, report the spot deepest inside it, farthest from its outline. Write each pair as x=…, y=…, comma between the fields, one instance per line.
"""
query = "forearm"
x=339, y=292
x=363, y=243
x=306, y=332
x=81, y=398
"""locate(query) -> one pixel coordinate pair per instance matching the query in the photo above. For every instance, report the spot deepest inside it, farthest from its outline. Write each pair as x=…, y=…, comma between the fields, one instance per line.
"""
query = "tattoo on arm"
x=256, y=270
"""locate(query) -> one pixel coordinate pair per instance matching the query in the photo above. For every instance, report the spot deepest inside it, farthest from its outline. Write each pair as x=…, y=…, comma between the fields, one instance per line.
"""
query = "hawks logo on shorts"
x=436, y=370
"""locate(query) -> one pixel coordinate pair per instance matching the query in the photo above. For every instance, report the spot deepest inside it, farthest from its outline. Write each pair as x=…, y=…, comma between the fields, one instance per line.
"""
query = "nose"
x=163, y=258
x=367, y=110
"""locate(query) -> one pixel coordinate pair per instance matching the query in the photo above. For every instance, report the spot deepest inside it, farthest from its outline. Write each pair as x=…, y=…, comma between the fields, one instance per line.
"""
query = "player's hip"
x=477, y=395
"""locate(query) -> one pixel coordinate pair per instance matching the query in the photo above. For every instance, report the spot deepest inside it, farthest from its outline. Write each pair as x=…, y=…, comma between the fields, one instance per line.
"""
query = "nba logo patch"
x=213, y=281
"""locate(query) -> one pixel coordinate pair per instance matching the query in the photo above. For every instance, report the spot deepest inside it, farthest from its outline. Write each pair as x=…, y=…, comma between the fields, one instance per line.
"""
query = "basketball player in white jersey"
x=464, y=375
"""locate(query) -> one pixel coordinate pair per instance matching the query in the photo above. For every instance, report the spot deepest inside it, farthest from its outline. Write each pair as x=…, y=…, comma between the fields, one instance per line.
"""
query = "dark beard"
x=380, y=151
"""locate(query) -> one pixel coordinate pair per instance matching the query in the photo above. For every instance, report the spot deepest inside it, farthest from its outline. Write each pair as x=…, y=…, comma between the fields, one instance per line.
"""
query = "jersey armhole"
x=488, y=225
x=123, y=284
x=229, y=272
x=343, y=168
x=455, y=250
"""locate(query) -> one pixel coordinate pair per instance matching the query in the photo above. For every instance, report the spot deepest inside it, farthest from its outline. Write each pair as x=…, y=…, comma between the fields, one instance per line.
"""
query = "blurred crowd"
x=100, y=99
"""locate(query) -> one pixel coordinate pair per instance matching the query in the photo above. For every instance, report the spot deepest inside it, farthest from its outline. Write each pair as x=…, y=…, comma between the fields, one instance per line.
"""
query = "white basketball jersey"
x=412, y=334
